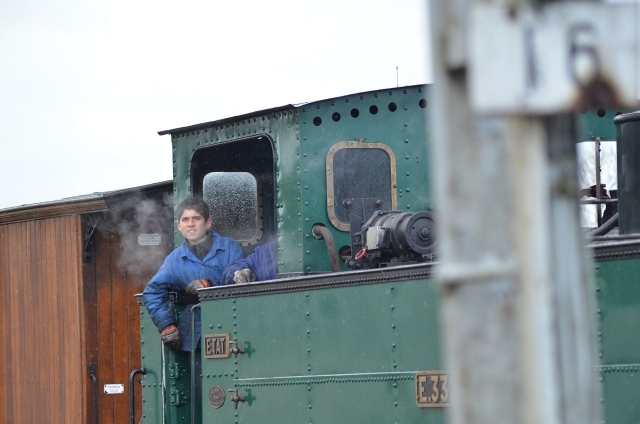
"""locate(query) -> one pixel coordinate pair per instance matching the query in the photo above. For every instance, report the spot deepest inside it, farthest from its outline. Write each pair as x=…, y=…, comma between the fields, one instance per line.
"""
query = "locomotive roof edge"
x=276, y=109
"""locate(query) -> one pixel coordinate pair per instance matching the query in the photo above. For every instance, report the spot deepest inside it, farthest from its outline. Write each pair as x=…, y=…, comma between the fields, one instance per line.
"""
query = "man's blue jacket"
x=179, y=269
x=262, y=262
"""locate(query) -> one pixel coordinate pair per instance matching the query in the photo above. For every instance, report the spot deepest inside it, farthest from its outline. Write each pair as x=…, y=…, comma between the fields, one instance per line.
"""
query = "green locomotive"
x=316, y=339
x=348, y=332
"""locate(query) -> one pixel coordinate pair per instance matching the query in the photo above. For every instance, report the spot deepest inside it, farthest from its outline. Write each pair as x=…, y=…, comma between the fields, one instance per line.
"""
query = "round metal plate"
x=216, y=396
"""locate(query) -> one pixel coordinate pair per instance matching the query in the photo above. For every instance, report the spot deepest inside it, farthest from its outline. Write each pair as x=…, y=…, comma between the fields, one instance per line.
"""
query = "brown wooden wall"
x=118, y=316
x=61, y=309
x=42, y=367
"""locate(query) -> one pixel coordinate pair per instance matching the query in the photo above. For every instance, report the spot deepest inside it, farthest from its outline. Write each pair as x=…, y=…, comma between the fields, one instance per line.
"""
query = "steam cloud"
x=144, y=216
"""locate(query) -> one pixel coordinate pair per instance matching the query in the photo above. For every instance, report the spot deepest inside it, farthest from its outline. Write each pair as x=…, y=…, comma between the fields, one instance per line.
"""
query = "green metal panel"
x=618, y=294
x=598, y=122
x=330, y=353
x=282, y=127
x=301, y=148
x=166, y=383
x=404, y=130
x=151, y=351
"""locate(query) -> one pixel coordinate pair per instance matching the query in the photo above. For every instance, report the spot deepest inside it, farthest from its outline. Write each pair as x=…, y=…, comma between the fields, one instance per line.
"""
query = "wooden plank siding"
x=118, y=327
x=41, y=282
x=58, y=314
x=67, y=300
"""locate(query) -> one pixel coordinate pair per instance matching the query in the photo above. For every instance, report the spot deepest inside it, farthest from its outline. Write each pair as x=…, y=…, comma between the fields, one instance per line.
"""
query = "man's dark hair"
x=196, y=204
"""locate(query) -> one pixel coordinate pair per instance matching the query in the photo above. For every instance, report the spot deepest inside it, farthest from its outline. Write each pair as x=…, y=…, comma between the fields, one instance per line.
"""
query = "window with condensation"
x=357, y=170
x=235, y=205
x=237, y=180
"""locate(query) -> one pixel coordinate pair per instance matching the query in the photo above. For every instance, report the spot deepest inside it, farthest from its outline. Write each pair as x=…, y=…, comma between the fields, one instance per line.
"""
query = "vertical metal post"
x=598, y=182
x=515, y=317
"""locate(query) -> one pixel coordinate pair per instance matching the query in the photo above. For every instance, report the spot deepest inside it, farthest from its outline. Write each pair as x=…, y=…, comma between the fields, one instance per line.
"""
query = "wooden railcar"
x=68, y=272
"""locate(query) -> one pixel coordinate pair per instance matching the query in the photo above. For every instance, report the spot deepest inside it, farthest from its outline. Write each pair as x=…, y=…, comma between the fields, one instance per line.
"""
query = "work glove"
x=193, y=286
x=243, y=276
x=171, y=337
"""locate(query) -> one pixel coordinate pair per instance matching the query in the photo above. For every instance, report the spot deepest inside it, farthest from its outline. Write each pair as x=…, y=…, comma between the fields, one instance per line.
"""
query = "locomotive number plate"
x=432, y=390
x=216, y=346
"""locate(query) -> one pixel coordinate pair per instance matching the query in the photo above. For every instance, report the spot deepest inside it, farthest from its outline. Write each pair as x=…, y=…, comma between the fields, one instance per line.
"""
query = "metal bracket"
x=178, y=398
x=177, y=371
x=89, y=224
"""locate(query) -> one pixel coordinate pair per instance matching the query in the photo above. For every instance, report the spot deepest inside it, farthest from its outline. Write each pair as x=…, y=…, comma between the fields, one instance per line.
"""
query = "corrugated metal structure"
x=68, y=272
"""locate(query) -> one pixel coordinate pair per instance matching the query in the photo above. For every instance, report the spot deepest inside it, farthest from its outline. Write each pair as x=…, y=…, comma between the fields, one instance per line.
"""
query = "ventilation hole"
x=392, y=107
x=355, y=113
x=335, y=116
x=344, y=253
x=601, y=112
x=373, y=109
x=317, y=121
x=422, y=103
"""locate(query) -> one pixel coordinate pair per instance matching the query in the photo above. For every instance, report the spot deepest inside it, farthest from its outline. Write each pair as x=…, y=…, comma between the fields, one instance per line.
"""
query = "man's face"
x=193, y=226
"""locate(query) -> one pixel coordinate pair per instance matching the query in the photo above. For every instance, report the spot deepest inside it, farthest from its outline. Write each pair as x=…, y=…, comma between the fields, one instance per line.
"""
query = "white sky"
x=86, y=84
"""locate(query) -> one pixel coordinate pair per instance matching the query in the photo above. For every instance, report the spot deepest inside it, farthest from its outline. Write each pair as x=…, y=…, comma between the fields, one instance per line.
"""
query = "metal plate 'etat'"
x=431, y=389
x=216, y=396
x=216, y=346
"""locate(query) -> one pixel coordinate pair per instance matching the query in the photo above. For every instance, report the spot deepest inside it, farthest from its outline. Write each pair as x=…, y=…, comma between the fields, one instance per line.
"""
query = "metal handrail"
x=132, y=406
x=193, y=363
x=597, y=201
x=92, y=374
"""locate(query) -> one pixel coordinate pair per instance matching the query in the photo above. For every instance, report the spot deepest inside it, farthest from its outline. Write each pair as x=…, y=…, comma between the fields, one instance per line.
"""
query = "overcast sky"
x=87, y=84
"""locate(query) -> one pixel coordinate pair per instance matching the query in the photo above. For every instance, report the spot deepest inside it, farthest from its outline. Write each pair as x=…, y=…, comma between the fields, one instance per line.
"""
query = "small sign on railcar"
x=113, y=389
x=432, y=390
x=149, y=239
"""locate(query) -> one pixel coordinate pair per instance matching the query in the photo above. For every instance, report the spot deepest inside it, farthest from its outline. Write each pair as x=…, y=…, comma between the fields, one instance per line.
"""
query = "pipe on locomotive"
x=628, y=150
x=193, y=362
x=320, y=232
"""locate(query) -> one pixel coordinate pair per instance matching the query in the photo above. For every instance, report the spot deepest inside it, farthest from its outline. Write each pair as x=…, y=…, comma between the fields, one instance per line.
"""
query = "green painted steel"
x=302, y=137
x=345, y=354
x=151, y=353
x=166, y=383
x=403, y=130
x=618, y=295
x=348, y=353
x=597, y=122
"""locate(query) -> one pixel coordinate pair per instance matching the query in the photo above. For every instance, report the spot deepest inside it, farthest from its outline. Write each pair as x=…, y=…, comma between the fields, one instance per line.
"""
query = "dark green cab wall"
x=404, y=130
x=618, y=314
x=302, y=137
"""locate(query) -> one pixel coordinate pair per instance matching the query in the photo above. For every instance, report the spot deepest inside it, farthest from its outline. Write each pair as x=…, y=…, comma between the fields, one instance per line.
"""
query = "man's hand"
x=243, y=276
x=193, y=286
x=171, y=337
